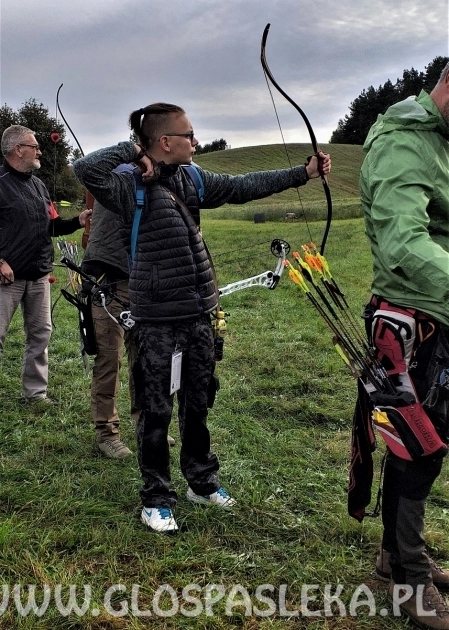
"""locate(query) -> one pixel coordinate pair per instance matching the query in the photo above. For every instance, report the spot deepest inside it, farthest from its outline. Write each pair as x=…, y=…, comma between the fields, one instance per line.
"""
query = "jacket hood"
x=414, y=113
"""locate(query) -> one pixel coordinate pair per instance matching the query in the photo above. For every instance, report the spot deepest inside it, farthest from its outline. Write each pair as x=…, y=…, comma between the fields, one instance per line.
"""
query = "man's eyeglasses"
x=36, y=147
x=189, y=135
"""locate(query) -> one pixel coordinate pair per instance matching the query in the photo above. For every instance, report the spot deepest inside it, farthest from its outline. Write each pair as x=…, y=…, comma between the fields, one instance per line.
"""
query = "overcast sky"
x=116, y=56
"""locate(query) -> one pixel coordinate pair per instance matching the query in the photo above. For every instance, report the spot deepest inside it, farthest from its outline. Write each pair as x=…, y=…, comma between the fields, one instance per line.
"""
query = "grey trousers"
x=34, y=299
x=406, y=486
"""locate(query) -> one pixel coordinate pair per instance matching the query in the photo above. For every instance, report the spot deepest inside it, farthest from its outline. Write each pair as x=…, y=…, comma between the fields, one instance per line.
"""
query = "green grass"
x=343, y=181
x=281, y=429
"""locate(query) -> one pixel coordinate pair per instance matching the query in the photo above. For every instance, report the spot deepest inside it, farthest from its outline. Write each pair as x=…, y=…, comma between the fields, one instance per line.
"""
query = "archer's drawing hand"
x=318, y=165
x=148, y=167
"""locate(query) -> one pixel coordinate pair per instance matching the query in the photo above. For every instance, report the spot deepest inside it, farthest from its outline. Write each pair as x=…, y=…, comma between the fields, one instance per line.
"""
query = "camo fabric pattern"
x=156, y=344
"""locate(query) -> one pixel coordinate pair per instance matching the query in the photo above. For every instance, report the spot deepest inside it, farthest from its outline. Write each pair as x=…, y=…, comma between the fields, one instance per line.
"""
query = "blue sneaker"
x=220, y=498
x=159, y=518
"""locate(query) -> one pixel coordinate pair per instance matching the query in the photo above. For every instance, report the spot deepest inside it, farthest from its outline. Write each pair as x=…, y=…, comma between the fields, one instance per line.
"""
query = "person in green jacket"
x=405, y=197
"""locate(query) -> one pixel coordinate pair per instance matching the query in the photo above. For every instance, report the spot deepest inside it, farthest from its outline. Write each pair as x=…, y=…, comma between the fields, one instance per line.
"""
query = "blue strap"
x=140, y=200
x=195, y=175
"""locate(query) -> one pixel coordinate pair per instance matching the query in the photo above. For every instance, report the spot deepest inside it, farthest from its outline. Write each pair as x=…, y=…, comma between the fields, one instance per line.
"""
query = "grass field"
x=69, y=518
x=346, y=161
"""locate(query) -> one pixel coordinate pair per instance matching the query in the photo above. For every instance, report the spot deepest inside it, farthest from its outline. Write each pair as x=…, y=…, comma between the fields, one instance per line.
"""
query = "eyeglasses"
x=189, y=135
x=32, y=146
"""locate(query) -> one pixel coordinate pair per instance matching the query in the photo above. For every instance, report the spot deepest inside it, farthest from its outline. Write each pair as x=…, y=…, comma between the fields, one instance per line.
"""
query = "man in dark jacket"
x=28, y=220
x=172, y=292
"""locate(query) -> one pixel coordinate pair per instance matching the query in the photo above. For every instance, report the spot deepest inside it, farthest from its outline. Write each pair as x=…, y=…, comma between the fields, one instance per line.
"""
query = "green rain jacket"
x=404, y=187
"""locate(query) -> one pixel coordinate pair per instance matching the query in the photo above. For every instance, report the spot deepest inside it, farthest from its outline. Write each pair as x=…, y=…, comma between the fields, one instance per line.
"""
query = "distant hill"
x=343, y=180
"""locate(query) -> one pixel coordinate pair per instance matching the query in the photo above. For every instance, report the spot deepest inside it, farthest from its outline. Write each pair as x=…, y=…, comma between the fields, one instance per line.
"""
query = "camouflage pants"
x=156, y=343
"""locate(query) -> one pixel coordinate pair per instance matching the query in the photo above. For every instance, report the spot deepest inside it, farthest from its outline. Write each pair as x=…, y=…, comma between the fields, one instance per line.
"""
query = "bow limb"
x=326, y=189
x=88, y=195
x=65, y=121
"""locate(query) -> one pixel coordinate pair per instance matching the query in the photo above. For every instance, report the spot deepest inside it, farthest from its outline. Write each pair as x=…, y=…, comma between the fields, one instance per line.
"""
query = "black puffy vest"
x=171, y=278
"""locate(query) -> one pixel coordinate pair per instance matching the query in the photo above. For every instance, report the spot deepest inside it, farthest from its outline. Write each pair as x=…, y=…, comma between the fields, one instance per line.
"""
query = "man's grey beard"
x=36, y=165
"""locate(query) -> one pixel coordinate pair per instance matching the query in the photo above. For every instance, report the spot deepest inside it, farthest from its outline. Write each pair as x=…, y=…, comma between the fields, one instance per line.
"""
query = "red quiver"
x=400, y=418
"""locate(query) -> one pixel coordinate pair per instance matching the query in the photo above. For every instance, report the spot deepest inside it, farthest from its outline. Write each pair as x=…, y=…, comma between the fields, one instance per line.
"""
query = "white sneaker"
x=159, y=518
x=220, y=498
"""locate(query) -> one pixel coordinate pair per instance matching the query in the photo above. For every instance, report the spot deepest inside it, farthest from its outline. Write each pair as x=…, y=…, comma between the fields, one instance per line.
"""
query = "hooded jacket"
x=404, y=188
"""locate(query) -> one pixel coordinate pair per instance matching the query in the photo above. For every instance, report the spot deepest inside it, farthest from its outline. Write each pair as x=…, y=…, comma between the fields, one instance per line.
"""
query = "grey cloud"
x=115, y=56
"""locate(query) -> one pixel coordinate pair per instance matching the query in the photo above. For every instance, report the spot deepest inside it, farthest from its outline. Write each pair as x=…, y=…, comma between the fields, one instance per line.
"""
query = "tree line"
x=215, y=145
x=363, y=111
x=55, y=171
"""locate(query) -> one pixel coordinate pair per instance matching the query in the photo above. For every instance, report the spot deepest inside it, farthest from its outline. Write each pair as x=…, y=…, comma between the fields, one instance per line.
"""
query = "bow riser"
x=267, y=279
